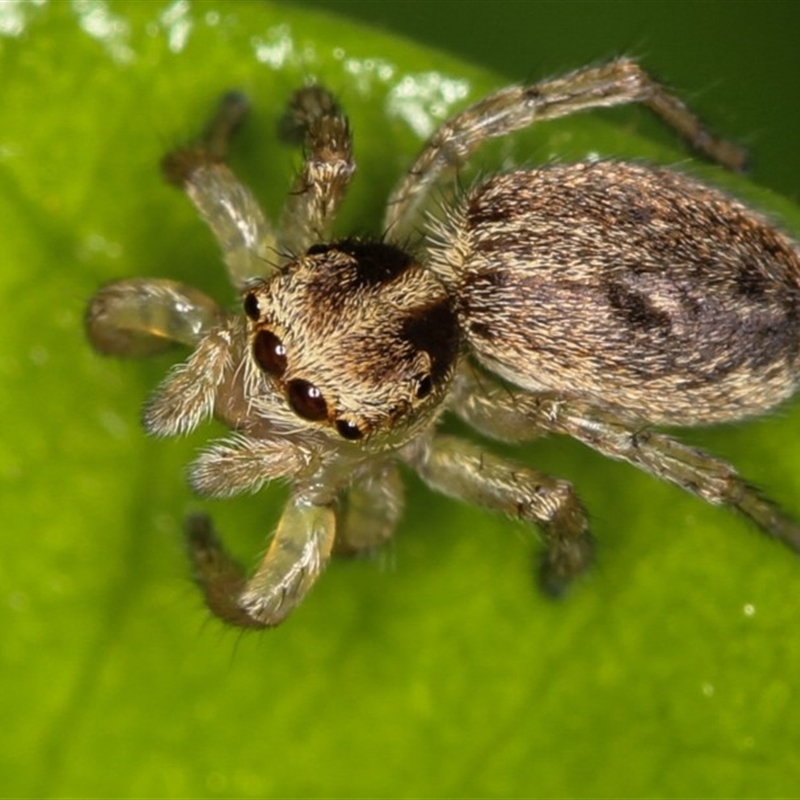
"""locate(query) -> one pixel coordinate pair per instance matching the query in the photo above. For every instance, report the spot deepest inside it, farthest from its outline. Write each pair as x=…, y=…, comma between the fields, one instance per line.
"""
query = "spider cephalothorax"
x=357, y=336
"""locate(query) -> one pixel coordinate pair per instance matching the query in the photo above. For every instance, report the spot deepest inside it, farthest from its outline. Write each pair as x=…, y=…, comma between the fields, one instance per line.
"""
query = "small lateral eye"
x=269, y=353
x=424, y=386
x=348, y=430
x=251, y=306
x=306, y=400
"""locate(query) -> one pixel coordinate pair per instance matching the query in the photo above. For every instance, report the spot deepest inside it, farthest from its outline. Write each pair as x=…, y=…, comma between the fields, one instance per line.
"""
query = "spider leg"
x=228, y=207
x=141, y=317
x=370, y=509
x=298, y=553
x=314, y=120
x=186, y=396
x=506, y=413
x=616, y=83
x=244, y=464
x=463, y=470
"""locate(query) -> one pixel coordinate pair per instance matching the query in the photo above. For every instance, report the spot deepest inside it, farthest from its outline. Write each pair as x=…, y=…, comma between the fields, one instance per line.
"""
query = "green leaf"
x=435, y=669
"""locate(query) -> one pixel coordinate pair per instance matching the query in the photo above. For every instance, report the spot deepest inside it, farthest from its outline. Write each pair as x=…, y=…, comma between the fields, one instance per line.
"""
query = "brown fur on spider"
x=596, y=300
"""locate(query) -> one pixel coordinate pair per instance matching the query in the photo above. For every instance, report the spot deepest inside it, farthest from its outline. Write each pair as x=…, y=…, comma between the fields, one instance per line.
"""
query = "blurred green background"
x=435, y=669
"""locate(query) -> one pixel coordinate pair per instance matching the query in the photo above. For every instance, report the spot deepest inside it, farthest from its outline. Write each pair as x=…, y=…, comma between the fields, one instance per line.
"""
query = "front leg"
x=299, y=551
x=186, y=397
x=465, y=471
x=244, y=464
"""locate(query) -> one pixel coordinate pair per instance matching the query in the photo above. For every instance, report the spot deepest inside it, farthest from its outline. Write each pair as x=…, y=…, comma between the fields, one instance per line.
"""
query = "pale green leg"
x=512, y=415
x=297, y=555
x=370, y=510
x=144, y=316
x=230, y=210
x=465, y=471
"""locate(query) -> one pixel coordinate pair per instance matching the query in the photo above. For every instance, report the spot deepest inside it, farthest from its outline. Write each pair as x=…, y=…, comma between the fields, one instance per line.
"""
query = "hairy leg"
x=466, y=471
x=314, y=120
x=616, y=83
x=513, y=415
x=297, y=555
x=243, y=464
x=228, y=207
x=370, y=509
x=186, y=396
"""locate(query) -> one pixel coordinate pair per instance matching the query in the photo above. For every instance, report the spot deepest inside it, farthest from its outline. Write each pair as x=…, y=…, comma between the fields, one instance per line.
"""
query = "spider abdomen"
x=637, y=287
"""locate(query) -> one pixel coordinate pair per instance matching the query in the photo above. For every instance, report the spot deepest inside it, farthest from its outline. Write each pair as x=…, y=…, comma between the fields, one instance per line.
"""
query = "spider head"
x=359, y=339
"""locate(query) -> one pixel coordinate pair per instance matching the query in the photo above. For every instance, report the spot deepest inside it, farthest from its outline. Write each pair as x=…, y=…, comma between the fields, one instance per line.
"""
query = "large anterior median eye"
x=269, y=353
x=306, y=400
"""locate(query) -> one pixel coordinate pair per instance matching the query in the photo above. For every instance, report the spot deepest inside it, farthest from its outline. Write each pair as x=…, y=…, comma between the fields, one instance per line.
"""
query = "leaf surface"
x=434, y=669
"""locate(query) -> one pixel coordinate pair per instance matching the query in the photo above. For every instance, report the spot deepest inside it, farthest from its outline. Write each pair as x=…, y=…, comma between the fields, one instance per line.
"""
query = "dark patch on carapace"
x=781, y=343
x=434, y=329
x=376, y=263
x=320, y=248
x=481, y=330
x=495, y=243
x=481, y=214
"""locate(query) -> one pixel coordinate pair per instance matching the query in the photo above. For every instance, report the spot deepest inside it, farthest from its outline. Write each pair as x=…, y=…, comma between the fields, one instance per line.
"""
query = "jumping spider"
x=594, y=299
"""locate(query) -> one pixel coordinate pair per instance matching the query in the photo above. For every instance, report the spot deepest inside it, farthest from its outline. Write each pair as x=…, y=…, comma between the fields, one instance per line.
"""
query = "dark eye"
x=251, y=306
x=424, y=386
x=348, y=430
x=306, y=400
x=319, y=249
x=269, y=353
